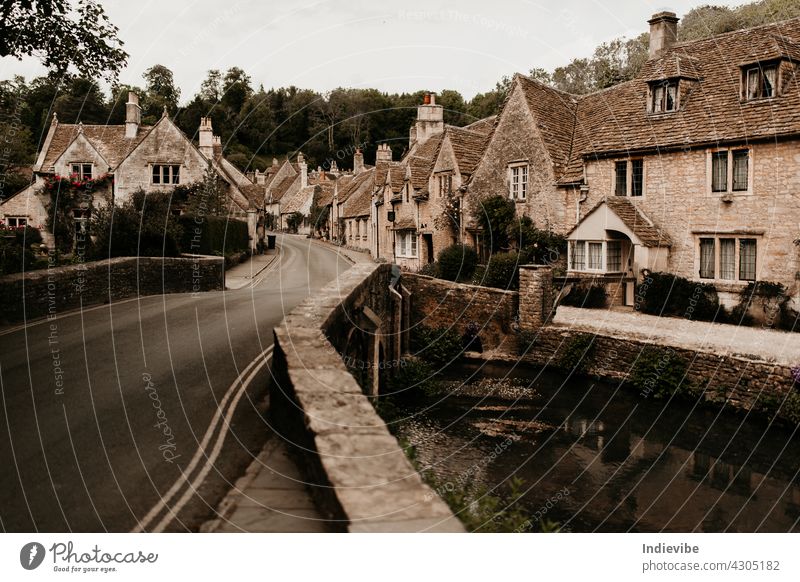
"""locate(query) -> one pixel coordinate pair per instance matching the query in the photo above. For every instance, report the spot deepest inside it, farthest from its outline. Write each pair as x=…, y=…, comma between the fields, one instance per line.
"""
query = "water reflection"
x=629, y=464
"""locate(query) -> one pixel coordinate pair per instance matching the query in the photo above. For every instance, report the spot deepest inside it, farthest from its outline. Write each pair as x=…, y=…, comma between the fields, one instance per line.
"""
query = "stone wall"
x=356, y=470
x=437, y=303
x=737, y=381
x=54, y=290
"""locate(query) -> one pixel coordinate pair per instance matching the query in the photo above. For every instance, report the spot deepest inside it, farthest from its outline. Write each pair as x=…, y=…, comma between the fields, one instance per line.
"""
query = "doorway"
x=428, y=238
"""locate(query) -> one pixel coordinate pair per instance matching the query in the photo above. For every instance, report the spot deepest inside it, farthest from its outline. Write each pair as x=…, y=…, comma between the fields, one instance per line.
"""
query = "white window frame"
x=170, y=174
x=81, y=170
x=729, y=185
x=16, y=219
x=624, y=256
x=718, y=238
x=406, y=245
x=518, y=181
x=629, y=177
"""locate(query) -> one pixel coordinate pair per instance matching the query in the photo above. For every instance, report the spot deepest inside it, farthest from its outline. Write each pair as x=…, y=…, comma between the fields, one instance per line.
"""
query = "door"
x=428, y=238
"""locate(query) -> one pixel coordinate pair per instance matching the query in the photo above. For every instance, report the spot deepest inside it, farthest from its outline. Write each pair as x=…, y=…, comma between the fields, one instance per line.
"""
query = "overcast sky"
x=399, y=46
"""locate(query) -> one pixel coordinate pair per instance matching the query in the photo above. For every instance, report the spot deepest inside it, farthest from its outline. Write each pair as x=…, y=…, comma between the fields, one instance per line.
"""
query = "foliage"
x=484, y=512
x=318, y=217
x=668, y=294
x=661, y=373
x=64, y=35
x=537, y=246
x=502, y=271
x=207, y=198
x=457, y=263
x=294, y=220
x=213, y=235
x=143, y=226
x=577, y=354
x=495, y=215
x=586, y=295
x=430, y=270
x=412, y=376
x=14, y=256
x=161, y=92
x=772, y=299
x=438, y=346
x=66, y=194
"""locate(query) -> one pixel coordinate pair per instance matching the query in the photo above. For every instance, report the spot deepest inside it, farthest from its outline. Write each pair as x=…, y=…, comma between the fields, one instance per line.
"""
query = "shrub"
x=438, y=346
x=577, y=355
x=294, y=220
x=771, y=299
x=502, y=271
x=661, y=373
x=213, y=235
x=495, y=215
x=430, y=270
x=667, y=294
x=537, y=247
x=28, y=236
x=14, y=258
x=413, y=376
x=457, y=263
x=587, y=295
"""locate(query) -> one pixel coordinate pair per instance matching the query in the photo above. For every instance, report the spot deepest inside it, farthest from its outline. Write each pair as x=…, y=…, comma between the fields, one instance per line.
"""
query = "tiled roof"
x=326, y=194
x=281, y=188
x=298, y=199
x=421, y=160
x=405, y=223
x=108, y=140
x=359, y=196
x=468, y=145
x=358, y=181
x=642, y=227
x=485, y=125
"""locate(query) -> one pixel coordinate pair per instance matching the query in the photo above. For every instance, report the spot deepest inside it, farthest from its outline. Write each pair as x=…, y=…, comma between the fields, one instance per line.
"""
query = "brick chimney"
x=430, y=119
x=216, y=146
x=301, y=162
x=384, y=153
x=358, y=161
x=133, y=115
x=663, y=33
x=206, y=137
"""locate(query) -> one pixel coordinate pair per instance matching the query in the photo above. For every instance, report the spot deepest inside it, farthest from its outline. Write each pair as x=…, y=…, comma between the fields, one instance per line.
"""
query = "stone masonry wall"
x=437, y=303
x=357, y=472
x=51, y=291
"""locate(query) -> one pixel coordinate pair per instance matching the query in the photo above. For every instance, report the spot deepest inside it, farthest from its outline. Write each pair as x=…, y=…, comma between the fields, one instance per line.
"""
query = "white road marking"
x=240, y=384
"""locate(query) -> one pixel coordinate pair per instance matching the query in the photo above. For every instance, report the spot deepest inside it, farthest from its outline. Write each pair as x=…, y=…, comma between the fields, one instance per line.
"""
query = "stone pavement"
x=248, y=272
x=753, y=342
x=349, y=254
x=270, y=498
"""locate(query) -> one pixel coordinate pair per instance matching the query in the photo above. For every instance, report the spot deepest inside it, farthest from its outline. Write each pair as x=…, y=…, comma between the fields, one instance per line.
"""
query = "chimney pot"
x=663, y=33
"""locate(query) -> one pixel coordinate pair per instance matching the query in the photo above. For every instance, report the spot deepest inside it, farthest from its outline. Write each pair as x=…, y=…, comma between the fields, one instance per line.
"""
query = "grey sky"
x=392, y=46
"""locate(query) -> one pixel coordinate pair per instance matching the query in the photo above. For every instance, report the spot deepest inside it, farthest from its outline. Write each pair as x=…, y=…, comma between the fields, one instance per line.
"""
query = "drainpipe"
x=584, y=194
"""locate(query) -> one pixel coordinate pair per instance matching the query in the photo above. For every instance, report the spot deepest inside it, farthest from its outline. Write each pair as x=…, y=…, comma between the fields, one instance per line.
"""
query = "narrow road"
x=113, y=418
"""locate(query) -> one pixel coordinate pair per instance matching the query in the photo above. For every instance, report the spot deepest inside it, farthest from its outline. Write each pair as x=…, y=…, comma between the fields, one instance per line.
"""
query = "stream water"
x=594, y=457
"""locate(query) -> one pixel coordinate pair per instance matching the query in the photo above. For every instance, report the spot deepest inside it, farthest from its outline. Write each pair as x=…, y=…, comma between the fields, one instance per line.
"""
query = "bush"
x=14, y=258
x=213, y=235
x=457, y=263
x=589, y=296
x=577, y=354
x=502, y=271
x=771, y=299
x=661, y=373
x=430, y=270
x=28, y=236
x=537, y=247
x=438, y=346
x=413, y=376
x=495, y=215
x=667, y=294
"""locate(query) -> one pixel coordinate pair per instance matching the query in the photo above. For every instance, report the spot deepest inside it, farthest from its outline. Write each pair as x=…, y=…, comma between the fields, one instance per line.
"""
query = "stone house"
x=690, y=168
x=126, y=158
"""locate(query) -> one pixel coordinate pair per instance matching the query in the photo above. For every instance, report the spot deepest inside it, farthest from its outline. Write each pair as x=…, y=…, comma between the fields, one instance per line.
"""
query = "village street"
x=103, y=411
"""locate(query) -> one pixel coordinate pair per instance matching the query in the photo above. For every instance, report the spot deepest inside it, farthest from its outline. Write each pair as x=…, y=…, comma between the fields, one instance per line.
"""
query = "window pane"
x=523, y=182
x=727, y=258
x=719, y=172
x=740, y=162
x=156, y=174
x=76, y=169
x=514, y=182
x=671, y=97
x=87, y=172
x=706, y=258
x=621, y=169
x=747, y=259
x=768, y=90
x=658, y=98
x=637, y=177
x=413, y=237
x=614, y=256
x=595, y=256
x=176, y=174
x=578, y=255
x=752, y=84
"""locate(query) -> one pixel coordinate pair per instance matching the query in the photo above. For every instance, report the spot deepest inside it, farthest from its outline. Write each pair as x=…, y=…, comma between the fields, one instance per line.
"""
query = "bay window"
x=599, y=256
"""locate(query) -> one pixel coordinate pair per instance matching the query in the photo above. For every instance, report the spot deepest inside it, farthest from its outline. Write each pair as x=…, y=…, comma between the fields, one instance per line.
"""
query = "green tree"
x=66, y=36
x=161, y=91
x=83, y=101
x=209, y=198
x=211, y=88
x=236, y=89
x=495, y=215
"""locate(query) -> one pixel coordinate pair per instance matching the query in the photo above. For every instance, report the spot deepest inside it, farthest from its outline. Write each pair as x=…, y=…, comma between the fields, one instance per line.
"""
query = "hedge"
x=209, y=235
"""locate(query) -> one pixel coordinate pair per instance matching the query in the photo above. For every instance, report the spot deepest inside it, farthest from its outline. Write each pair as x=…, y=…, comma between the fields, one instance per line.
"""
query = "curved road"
x=109, y=439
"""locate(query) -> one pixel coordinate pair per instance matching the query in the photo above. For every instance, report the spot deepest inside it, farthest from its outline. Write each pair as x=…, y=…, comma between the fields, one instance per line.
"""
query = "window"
x=82, y=171
x=578, y=255
x=614, y=256
x=445, y=184
x=760, y=82
x=629, y=177
x=730, y=171
x=595, y=256
x=719, y=257
x=665, y=97
x=519, y=182
x=16, y=221
x=166, y=174
x=406, y=244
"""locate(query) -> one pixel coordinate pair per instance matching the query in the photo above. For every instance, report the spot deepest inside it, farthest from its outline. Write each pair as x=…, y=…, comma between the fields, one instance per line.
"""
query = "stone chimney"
x=216, y=146
x=663, y=33
x=384, y=153
x=358, y=161
x=206, y=137
x=133, y=115
x=430, y=119
x=260, y=177
x=301, y=161
x=334, y=168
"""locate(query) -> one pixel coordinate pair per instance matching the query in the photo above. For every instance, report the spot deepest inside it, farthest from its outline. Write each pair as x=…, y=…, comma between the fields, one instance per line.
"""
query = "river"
x=596, y=457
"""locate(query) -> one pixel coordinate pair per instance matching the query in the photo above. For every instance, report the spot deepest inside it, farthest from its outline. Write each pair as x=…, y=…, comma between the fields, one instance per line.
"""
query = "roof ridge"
x=775, y=24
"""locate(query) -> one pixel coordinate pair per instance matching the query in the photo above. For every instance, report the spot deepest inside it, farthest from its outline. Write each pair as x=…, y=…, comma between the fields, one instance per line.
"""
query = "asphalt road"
x=103, y=414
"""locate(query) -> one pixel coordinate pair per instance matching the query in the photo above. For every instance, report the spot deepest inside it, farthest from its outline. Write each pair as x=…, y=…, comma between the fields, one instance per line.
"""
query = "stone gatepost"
x=535, y=296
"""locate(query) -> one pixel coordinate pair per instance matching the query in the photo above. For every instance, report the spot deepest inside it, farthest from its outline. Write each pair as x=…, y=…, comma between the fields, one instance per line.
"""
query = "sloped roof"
x=359, y=195
x=109, y=141
x=421, y=160
x=644, y=228
x=297, y=200
x=468, y=145
x=283, y=187
x=405, y=223
x=356, y=183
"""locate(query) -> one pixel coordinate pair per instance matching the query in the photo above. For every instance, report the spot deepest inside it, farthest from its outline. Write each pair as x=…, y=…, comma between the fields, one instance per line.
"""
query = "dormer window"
x=664, y=97
x=760, y=82
x=82, y=171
